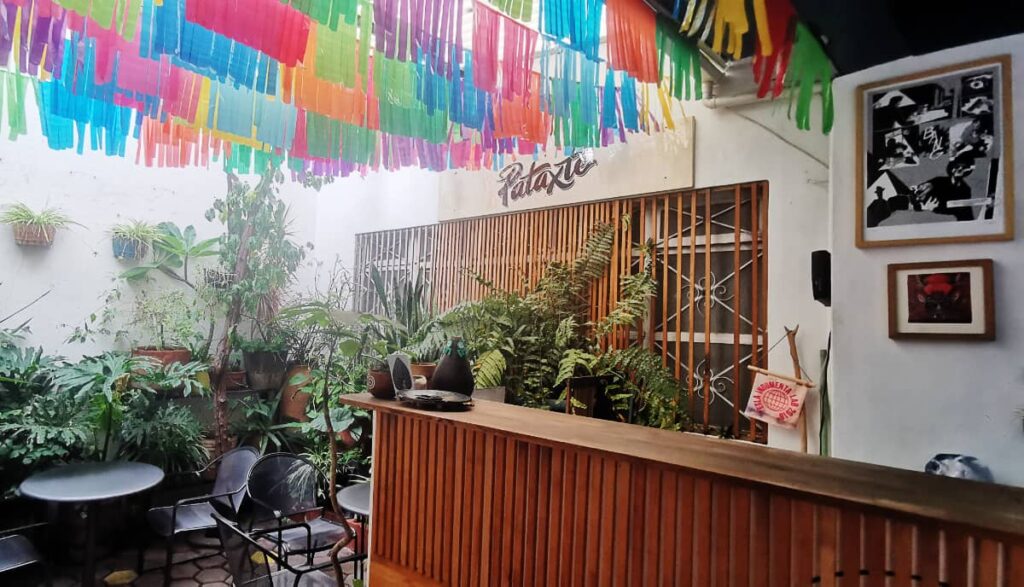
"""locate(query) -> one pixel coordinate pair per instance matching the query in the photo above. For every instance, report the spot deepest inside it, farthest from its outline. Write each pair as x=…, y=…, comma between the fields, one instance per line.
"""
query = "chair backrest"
x=232, y=474
x=284, y=483
x=247, y=561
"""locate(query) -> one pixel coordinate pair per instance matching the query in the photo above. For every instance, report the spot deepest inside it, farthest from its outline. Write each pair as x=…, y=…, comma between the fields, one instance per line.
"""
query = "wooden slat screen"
x=460, y=504
x=708, y=321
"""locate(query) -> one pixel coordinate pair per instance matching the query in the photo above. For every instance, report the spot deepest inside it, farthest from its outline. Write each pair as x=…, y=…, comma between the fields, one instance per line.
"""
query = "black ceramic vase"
x=453, y=372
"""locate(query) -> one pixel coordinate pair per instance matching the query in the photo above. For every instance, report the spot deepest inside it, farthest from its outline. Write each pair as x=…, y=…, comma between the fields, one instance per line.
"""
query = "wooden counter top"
x=996, y=508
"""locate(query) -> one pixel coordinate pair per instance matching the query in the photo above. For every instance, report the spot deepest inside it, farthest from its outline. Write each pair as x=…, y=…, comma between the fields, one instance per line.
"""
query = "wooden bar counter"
x=504, y=495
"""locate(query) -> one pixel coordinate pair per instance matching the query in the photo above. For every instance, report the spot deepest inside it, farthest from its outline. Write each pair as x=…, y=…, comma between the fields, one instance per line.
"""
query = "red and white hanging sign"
x=776, y=399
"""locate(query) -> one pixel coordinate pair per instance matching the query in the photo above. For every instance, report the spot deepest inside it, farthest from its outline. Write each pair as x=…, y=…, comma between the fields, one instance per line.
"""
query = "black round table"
x=356, y=498
x=86, y=484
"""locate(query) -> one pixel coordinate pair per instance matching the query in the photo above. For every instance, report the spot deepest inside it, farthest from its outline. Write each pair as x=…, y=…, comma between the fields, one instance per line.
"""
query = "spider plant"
x=33, y=228
x=131, y=240
x=47, y=217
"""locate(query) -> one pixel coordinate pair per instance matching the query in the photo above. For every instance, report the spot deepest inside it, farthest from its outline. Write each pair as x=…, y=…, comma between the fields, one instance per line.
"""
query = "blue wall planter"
x=128, y=249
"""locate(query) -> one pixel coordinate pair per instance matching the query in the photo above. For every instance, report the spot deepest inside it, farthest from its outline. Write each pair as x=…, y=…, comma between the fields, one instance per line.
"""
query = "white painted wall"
x=379, y=201
x=900, y=403
x=746, y=144
x=97, y=192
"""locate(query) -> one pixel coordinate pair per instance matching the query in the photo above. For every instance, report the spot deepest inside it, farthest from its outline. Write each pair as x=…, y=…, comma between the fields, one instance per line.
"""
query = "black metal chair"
x=195, y=513
x=282, y=487
x=249, y=562
x=18, y=553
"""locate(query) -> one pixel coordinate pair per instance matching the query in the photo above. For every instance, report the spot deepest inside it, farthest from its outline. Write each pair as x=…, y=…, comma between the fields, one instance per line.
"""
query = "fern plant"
x=535, y=342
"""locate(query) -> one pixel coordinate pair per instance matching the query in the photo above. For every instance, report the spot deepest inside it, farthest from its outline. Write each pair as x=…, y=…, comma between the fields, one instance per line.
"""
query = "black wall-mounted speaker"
x=821, y=276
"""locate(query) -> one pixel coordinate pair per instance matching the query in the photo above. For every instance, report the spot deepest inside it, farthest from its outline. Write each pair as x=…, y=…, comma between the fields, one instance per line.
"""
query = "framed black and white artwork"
x=935, y=156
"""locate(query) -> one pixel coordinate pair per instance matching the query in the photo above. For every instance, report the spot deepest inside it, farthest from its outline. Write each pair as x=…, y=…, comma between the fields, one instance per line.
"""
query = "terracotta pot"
x=33, y=235
x=164, y=356
x=425, y=370
x=346, y=439
x=236, y=380
x=357, y=543
x=378, y=383
x=293, y=399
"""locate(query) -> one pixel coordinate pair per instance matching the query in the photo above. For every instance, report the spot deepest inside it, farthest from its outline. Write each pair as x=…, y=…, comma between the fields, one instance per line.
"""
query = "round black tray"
x=434, y=399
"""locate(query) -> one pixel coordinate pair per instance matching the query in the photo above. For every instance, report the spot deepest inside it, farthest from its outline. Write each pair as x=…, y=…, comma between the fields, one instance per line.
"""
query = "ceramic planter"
x=128, y=249
x=265, y=369
x=235, y=380
x=378, y=383
x=454, y=373
x=293, y=399
x=425, y=370
x=33, y=235
x=164, y=356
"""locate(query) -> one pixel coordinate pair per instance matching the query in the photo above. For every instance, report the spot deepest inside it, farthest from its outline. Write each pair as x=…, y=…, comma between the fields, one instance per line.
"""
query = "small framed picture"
x=946, y=300
x=935, y=156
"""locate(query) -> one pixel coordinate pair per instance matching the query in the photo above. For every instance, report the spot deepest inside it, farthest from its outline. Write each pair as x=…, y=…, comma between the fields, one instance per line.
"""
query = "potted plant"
x=266, y=361
x=169, y=322
x=406, y=323
x=130, y=240
x=235, y=374
x=34, y=229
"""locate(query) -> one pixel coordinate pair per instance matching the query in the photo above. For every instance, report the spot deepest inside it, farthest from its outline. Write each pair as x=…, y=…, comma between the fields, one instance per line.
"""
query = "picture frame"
x=934, y=156
x=943, y=300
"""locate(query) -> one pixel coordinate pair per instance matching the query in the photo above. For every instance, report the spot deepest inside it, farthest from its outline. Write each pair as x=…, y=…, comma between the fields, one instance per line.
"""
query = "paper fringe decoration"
x=776, y=26
x=578, y=21
x=678, y=63
x=631, y=39
x=335, y=87
x=809, y=66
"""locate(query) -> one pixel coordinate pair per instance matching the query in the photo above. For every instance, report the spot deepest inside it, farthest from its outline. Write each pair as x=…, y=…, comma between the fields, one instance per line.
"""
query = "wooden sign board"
x=646, y=164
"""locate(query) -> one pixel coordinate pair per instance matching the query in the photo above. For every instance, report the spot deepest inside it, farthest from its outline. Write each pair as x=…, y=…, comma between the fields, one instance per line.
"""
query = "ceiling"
x=858, y=34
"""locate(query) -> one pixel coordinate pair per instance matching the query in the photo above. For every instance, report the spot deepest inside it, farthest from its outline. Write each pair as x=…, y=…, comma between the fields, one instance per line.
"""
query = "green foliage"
x=172, y=319
x=48, y=428
x=182, y=377
x=165, y=435
x=275, y=343
x=407, y=324
x=174, y=252
x=47, y=217
x=257, y=426
x=257, y=215
x=136, y=230
x=108, y=374
x=534, y=342
x=24, y=373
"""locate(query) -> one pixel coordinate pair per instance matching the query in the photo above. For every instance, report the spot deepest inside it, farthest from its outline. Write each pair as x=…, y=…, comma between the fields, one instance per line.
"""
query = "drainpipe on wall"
x=712, y=100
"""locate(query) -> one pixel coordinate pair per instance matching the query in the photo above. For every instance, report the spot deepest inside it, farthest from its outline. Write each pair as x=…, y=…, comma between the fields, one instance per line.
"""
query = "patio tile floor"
x=206, y=572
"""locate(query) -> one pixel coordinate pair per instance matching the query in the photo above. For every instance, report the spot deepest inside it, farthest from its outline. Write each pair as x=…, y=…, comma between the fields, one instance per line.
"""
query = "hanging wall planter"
x=34, y=229
x=218, y=278
x=130, y=241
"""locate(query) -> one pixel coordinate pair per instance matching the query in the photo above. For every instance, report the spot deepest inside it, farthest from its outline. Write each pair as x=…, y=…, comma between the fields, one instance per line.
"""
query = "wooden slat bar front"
x=505, y=495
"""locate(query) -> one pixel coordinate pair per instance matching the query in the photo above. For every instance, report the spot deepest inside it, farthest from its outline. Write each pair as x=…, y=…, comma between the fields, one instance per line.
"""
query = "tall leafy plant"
x=407, y=323
x=175, y=251
x=257, y=250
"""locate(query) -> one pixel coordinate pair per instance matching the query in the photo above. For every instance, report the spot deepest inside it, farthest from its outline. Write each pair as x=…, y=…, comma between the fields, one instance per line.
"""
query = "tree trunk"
x=332, y=484
x=234, y=316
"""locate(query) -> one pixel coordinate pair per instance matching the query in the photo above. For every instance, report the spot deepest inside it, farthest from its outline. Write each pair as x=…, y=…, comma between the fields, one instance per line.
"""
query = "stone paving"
x=206, y=572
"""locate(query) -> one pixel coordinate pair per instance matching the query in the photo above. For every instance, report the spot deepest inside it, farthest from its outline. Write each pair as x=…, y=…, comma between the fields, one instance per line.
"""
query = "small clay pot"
x=163, y=356
x=378, y=383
